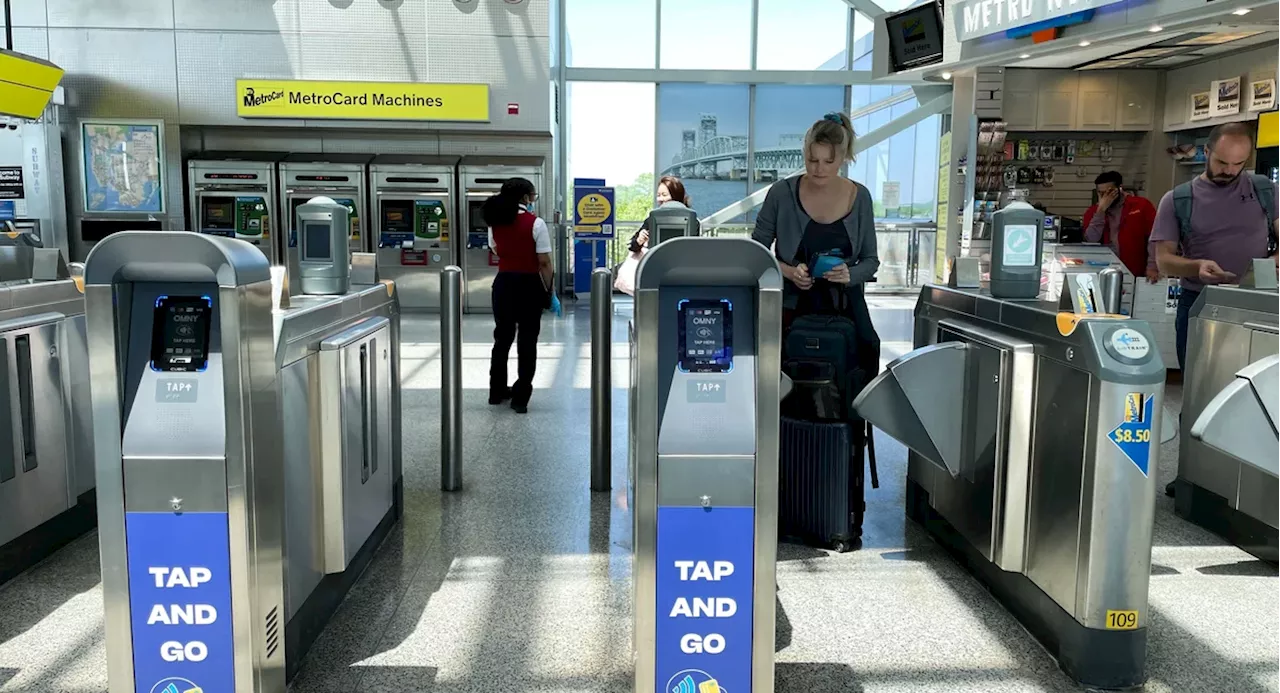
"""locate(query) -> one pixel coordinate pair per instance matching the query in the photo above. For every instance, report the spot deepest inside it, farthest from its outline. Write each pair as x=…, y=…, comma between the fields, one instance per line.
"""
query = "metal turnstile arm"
x=915, y=401
x=1241, y=420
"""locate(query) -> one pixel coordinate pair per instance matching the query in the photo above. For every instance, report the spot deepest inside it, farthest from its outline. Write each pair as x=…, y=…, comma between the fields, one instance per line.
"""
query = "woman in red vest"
x=521, y=291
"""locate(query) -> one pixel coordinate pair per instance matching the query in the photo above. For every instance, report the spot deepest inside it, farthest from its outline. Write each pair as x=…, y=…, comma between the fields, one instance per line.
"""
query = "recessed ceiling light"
x=946, y=75
x=1241, y=12
x=1084, y=43
x=1024, y=56
x=1156, y=28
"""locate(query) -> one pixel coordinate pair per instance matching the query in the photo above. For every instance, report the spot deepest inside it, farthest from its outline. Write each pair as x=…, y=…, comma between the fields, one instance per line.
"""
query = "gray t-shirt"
x=1228, y=225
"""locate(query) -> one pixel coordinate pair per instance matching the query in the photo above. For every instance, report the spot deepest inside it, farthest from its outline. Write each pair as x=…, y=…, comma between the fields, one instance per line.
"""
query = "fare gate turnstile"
x=46, y=445
x=1034, y=436
x=704, y=472
x=415, y=203
x=341, y=177
x=224, y=551
x=236, y=195
x=481, y=178
x=1230, y=489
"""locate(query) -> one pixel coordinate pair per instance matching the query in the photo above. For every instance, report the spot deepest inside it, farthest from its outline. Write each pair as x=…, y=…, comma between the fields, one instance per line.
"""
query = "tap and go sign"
x=593, y=218
x=705, y=579
x=978, y=18
x=180, y=601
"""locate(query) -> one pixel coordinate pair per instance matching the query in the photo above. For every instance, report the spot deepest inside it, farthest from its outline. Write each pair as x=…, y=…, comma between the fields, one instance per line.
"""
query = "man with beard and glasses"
x=1209, y=231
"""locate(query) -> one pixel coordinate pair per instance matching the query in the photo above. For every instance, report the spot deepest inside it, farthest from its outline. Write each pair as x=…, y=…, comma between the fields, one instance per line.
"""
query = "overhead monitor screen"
x=180, y=333
x=317, y=244
x=915, y=37
x=706, y=336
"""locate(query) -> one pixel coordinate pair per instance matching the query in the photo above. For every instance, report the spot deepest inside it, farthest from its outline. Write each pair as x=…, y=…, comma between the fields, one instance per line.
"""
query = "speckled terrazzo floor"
x=521, y=582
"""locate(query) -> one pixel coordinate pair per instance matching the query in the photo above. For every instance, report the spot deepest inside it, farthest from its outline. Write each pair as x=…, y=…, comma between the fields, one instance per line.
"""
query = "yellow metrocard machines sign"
x=268, y=98
x=26, y=84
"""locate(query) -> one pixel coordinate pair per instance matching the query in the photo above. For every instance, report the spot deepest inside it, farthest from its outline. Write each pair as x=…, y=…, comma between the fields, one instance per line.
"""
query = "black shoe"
x=1169, y=490
x=500, y=397
x=520, y=408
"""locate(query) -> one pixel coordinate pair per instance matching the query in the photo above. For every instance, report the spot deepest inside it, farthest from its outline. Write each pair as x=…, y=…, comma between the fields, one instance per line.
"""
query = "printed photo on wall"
x=1200, y=109
x=1262, y=95
x=1226, y=97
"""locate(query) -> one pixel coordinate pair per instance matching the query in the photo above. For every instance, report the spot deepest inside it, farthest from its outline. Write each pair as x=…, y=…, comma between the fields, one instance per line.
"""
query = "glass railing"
x=906, y=250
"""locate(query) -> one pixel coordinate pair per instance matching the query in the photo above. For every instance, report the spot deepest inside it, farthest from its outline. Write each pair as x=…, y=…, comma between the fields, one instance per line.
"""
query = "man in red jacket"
x=1122, y=221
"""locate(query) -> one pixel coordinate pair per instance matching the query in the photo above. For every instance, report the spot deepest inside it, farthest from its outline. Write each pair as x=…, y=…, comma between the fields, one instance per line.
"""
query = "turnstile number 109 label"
x=705, y=581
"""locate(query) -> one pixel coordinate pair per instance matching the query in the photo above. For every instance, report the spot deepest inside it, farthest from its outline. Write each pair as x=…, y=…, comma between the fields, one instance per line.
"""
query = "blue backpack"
x=1262, y=189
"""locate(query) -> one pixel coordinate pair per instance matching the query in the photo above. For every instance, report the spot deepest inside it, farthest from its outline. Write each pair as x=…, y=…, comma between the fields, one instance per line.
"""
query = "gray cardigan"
x=782, y=221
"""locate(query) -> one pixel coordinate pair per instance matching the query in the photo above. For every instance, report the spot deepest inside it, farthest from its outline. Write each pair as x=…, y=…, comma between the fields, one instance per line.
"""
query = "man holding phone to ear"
x=1210, y=230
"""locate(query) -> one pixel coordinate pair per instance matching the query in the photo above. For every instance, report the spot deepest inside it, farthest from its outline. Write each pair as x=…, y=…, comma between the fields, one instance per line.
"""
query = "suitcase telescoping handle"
x=871, y=455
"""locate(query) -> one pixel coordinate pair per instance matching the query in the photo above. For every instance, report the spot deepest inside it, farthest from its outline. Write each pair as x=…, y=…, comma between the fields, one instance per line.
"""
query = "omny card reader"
x=324, y=254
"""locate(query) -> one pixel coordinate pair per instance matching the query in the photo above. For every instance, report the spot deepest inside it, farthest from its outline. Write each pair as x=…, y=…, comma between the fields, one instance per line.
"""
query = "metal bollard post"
x=1110, y=282
x=601, y=378
x=451, y=378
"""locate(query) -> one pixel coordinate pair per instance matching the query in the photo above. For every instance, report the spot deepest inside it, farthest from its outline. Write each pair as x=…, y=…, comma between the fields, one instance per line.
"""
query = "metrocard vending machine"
x=235, y=195
x=704, y=479
x=187, y=425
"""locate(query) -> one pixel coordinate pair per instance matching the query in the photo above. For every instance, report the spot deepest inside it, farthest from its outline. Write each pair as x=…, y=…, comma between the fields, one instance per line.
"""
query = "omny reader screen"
x=316, y=245
x=180, y=333
x=706, y=336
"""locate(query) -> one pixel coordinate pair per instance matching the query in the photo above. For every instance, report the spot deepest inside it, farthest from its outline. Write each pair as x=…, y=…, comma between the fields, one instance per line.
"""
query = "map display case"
x=122, y=166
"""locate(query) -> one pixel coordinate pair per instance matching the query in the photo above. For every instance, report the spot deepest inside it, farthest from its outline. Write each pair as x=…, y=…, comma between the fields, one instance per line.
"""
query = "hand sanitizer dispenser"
x=1016, y=249
x=324, y=256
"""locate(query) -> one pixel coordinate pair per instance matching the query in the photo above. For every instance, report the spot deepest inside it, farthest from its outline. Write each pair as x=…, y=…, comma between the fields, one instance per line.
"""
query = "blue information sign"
x=180, y=602
x=593, y=212
x=6, y=210
x=1133, y=435
x=705, y=577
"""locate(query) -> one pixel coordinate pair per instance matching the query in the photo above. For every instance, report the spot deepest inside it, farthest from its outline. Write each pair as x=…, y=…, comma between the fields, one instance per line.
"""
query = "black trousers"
x=518, y=302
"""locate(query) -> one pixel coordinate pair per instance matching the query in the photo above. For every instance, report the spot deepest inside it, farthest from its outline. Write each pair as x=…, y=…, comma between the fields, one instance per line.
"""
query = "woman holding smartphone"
x=821, y=227
x=671, y=193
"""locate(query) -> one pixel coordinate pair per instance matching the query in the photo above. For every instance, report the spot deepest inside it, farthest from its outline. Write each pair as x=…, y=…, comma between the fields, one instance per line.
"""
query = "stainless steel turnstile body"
x=414, y=225
x=224, y=549
x=237, y=195
x=1230, y=329
x=46, y=445
x=704, y=465
x=481, y=178
x=1034, y=439
x=190, y=485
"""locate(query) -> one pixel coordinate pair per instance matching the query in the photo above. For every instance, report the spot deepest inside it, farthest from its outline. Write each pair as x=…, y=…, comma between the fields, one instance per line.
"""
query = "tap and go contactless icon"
x=694, y=682
x=176, y=685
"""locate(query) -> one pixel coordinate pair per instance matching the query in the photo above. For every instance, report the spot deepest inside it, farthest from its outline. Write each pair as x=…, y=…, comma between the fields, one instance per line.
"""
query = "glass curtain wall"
x=726, y=140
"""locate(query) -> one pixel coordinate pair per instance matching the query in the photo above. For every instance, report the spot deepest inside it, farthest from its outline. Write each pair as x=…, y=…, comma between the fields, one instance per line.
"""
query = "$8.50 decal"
x=1126, y=435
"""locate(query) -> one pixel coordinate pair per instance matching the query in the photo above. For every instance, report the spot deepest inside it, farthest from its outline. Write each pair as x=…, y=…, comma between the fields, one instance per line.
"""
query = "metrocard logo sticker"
x=1133, y=435
x=308, y=99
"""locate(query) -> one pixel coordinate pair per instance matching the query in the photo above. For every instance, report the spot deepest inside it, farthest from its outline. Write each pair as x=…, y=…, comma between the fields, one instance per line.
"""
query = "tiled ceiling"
x=1180, y=49
x=1169, y=48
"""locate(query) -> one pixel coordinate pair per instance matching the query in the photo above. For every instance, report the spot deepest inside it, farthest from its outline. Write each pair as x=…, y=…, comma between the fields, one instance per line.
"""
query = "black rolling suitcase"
x=821, y=499
x=822, y=443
